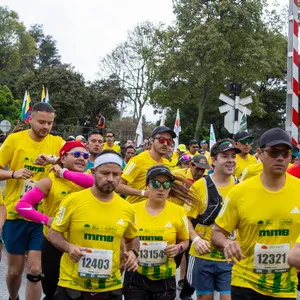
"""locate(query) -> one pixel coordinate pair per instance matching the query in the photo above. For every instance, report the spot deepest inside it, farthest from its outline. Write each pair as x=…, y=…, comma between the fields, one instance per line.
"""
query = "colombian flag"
x=45, y=96
x=26, y=108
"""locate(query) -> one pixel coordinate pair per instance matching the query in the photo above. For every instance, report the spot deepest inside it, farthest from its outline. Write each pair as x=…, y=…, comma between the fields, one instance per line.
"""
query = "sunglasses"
x=157, y=184
x=163, y=140
x=77, y=154
x=273, y=152
x=248, y=140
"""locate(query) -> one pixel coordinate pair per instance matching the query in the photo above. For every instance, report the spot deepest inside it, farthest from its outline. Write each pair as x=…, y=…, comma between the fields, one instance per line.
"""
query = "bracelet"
x=197, y=238
x=54, y=159
x=180, y=248
x=13, y=175
x=61, y=172
x=143, y=193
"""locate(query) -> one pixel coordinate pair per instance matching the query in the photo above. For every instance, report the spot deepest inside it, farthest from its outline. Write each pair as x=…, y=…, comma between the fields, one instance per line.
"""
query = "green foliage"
x=214, y=42
x=10, y=107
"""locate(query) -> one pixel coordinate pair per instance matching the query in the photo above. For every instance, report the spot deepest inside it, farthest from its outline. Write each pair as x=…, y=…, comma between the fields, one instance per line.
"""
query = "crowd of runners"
x=90, y=219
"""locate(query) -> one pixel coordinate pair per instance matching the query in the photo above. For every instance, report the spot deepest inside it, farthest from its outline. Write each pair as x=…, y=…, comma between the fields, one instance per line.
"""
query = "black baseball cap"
x=161, y=129
x=157, y=170
x=223, y=147
x=200, y=161
x=242, y=135
x=275, y=136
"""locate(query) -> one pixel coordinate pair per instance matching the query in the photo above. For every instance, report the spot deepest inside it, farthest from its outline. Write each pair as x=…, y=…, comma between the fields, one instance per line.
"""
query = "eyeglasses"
x=77, y=154
x=273, y=152
x=163, y=140
x=157, y=184
x=248, y=140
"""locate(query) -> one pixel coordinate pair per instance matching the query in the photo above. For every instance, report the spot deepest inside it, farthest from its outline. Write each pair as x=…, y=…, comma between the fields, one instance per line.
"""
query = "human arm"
x=57, y=239
x=201, y=246
x=2, y=216
x=294, y=256
x=82, y=179
x=44, y=159
x=130, y=257
x=124, y=189
x=230, y=248
x=17, y=174
x=25, y=207
x=175, y=249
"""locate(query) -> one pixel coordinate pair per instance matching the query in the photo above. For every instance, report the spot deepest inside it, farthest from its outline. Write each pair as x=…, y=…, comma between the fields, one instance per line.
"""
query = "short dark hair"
x=130, y=147
x=109, y=131
x=96, y=131
x=42, y=106
x=192, y=142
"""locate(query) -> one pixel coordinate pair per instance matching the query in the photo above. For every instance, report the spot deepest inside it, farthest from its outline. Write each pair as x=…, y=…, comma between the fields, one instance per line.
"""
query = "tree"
x=17, y=48
x=128, y=62
x=48, y=54
x=215, y=41
x=10, y=107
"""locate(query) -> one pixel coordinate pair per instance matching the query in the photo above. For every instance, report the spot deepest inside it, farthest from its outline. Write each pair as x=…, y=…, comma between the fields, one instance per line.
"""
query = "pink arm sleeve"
x=25, y=206
x=82, y=179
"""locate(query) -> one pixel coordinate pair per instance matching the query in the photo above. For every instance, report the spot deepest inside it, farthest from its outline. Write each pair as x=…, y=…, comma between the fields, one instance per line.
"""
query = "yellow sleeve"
x=62, y=219
x=131, y=171
x=183, y=231
x=298, y=239
x=131, y=230
x=6, y=151
x=228, y=215
x=198, y=190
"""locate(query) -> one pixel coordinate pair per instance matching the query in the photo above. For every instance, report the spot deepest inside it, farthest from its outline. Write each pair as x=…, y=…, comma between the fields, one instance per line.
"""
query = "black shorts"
x=140, y=287
x=240, y=293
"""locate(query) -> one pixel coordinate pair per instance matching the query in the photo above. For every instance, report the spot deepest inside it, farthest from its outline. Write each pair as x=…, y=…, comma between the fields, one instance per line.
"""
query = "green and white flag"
x=243, y=122
x=212, y=137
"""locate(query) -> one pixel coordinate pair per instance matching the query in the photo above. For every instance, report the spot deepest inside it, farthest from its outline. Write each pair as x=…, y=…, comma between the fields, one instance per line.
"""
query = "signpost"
x=234, y=110
x=5, y=126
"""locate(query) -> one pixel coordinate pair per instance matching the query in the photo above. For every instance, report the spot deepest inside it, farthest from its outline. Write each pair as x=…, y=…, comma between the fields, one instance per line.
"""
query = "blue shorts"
x=207, y=276
x=20, y=236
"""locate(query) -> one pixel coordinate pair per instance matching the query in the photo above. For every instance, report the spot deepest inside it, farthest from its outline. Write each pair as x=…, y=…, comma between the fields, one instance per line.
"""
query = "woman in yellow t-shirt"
x=163, y=234
x=67, y=177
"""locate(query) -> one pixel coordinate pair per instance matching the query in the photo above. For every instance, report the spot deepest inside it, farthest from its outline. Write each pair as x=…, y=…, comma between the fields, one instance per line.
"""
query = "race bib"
x=28, y=185
x=95, y=264
x=271, y=258
x=152, y=254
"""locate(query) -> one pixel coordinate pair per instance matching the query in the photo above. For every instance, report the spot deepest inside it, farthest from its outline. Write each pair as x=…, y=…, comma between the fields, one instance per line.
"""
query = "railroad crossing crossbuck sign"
x=235, y=109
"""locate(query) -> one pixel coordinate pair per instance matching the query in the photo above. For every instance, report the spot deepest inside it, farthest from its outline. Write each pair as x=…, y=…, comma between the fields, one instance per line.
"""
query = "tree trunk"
x=201, y=106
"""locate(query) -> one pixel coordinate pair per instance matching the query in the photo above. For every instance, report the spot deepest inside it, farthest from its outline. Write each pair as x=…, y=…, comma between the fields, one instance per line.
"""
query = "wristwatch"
x=135, y=251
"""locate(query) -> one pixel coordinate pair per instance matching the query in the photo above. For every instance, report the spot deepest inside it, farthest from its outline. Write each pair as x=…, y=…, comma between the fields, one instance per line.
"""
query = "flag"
x=177, y=129
x=163, y=118
x=45, y=96
x=26, y=108
x=243, y=122
x=212, y=137
x=139, y=132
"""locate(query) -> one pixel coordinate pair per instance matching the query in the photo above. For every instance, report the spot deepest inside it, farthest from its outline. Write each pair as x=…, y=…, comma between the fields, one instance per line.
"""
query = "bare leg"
x=14, y=273
x=34, y=289
x=205, y=297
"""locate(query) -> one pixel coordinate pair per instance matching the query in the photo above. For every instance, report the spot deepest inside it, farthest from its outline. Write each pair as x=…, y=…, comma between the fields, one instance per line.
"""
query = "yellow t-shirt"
x=264, y=220
x=253, y=170
x=242, y=164
x=59, y=190
x=168, y=226
x=190, y=154
x=94, y=224
x=135, y=173
x=205, y=232
x=173, y=162
x=185, y=173
x=20, y=151
x=1, y=197
x=115, y=147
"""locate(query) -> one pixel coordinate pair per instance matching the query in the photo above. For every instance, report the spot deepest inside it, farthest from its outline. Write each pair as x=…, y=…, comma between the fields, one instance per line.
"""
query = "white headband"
x=108, y=158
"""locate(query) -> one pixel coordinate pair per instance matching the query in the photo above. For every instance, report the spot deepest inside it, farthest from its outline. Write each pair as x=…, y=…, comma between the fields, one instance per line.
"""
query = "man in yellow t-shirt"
x=95, y=220
x=243, y=141
x=208, y=270
x=27, y=153
x=133, y=180
x=110, y=143
x=265, y=211
x=193, y=148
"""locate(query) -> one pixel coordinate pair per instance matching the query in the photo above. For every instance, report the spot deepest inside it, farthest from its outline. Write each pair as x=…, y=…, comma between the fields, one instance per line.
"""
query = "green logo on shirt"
x=151, y=238
x=35, y=169
x=274, y=232
x=98, y=237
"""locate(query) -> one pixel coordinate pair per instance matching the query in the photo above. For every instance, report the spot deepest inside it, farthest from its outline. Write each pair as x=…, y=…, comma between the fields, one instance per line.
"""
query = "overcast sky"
x=86, y=30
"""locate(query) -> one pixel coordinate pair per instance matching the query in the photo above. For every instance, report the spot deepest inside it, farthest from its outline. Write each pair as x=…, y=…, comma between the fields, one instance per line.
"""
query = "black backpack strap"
x=212, y=190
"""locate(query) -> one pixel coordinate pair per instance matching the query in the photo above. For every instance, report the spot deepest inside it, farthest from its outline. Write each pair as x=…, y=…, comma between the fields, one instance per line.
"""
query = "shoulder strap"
x=212, y=190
